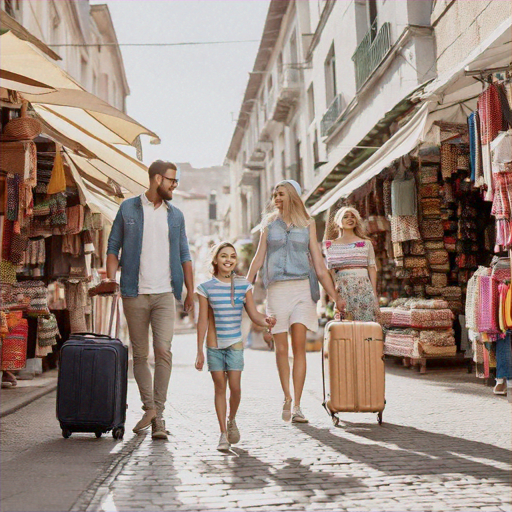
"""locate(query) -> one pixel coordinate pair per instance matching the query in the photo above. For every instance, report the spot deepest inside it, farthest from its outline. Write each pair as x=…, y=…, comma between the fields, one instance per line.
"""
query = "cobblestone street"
x=445, y=445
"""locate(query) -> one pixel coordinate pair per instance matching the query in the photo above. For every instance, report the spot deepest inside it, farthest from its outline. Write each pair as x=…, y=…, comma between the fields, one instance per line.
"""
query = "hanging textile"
x=58, y=177
x=490, y=113
x=475, y=149
x=403, y=197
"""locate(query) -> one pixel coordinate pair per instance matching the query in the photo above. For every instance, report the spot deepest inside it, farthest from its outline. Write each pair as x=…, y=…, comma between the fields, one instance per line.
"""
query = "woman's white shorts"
x=290, y=303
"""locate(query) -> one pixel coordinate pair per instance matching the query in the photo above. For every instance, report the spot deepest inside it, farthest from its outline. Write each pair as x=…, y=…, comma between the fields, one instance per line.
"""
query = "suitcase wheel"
x=379, y=418
x=66, y=433
x=98, y=433
x=118, y=433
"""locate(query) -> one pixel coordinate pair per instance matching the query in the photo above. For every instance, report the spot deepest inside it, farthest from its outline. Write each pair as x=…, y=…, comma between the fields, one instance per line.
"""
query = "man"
x=155, y=260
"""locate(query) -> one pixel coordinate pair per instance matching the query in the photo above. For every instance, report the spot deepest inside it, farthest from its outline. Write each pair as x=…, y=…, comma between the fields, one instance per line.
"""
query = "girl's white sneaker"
x=223, y=445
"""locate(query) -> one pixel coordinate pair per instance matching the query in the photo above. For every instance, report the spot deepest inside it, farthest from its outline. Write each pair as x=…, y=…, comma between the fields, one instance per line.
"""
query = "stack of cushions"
x=419, y=328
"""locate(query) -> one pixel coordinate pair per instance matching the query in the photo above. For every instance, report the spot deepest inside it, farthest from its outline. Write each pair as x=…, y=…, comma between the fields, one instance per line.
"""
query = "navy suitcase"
x=92, y=384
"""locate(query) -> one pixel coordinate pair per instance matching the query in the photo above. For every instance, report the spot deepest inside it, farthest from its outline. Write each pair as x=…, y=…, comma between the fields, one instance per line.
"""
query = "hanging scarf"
x=475, y=148
x=489, y=110
x=13, y=196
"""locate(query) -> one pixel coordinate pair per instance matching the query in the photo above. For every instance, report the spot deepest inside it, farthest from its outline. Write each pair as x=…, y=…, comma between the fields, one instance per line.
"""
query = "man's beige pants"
x=158, y=311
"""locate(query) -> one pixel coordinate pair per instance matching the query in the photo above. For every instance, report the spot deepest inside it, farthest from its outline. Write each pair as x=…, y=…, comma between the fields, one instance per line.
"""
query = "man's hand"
x=105, y=287
x=188, y=304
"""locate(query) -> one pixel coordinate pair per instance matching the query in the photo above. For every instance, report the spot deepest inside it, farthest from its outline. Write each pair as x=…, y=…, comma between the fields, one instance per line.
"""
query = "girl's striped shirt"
x=228, y=318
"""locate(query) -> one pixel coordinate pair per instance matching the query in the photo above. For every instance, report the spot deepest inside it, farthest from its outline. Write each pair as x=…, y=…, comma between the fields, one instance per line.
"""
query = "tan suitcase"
x=354, y=368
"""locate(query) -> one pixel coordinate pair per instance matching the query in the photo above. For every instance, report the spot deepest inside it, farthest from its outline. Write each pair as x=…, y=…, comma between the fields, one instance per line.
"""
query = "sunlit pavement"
x=444, y=445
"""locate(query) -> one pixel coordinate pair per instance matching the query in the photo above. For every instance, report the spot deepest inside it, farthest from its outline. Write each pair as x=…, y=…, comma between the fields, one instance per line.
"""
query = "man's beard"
x=166, y=195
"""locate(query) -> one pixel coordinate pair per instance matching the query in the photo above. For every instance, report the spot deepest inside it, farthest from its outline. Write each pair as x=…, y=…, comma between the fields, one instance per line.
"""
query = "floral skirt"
x=355, y=287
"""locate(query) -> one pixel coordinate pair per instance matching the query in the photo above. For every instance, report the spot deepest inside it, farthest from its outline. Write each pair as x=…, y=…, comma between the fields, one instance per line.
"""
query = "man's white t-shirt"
x=155, y=267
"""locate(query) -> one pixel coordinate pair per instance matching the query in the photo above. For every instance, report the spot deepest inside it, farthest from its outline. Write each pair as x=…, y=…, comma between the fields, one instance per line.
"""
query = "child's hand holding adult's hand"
x=200, y=360
x=271, y=321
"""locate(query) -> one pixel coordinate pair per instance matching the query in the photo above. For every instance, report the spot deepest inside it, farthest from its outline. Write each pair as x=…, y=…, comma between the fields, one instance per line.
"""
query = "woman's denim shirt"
x=287, y=255
x=126, y=237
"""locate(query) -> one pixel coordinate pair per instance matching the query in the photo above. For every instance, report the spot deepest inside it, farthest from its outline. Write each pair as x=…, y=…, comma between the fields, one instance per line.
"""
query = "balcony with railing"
x=331, y=115
x=371, y=51
x=287, y=94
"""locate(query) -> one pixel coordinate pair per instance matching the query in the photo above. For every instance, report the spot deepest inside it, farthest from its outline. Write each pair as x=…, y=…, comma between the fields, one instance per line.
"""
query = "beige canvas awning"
x=110, y=161
x=94, y=197
x=98, y=163
x=23, y=84
x=24, y=60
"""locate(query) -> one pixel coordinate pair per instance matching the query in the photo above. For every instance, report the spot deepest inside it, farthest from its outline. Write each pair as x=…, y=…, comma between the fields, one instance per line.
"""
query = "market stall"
x=440, y=217
x=51, y=242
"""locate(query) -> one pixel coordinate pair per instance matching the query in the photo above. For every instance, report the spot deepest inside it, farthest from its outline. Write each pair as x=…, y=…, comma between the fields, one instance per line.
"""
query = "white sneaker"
x=287, y=410
x=298, y=416
x=223, y=445
x=233, y=432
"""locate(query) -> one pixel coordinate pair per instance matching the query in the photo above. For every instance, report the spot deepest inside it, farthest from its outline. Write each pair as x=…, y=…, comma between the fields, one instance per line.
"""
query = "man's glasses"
x=173, y=181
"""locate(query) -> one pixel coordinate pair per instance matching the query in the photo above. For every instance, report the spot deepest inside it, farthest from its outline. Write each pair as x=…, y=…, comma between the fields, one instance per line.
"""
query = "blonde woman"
x=291, y=259
x=351, y=258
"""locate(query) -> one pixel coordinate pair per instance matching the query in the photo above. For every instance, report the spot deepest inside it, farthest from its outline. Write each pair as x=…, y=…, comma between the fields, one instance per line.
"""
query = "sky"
x=189, y=95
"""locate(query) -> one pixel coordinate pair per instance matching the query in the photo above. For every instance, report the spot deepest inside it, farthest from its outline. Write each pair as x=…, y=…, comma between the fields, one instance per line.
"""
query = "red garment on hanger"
x=489, y=111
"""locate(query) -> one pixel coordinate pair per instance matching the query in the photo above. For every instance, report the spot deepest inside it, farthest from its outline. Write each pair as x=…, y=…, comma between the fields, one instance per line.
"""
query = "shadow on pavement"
x=154, y=461
x=293, y=476
x=406, y=450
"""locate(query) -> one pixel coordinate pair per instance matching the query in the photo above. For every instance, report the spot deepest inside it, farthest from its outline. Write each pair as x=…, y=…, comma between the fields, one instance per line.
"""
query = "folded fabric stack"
x=422, y=318
x=419, y=328
x=386, y=315
x=400, y=342
x=427, y=304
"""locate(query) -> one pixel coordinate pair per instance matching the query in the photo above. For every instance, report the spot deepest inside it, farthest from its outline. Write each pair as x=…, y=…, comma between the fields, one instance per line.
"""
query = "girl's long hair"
x=214, y=268
x=333, y=229
x=295, y=211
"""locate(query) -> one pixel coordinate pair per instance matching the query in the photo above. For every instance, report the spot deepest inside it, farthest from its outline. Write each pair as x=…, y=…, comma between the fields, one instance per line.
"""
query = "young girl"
x=221, y=301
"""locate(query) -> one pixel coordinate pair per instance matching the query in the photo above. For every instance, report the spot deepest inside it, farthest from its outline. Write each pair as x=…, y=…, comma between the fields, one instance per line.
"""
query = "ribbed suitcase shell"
x=354, y=368
x=92, y=384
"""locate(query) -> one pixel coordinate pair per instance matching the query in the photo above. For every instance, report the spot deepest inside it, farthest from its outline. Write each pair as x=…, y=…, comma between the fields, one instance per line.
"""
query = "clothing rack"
x=489, y=71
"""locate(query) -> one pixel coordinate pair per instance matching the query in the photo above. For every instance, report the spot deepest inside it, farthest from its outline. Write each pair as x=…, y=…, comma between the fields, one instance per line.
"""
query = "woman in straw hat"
x=351, y=258
x=291, y=259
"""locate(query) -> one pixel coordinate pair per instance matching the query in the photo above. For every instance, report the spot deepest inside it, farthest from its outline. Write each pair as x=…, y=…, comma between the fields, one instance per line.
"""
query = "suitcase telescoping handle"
x=114, y=313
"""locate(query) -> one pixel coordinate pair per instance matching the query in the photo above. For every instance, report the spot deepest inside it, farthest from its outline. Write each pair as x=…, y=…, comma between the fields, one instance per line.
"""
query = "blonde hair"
x=295, y=210
x=333, y=229
x=214, y=252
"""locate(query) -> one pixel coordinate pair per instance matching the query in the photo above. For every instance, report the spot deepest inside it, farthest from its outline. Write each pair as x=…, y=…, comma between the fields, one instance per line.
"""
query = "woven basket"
x=23, y=127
